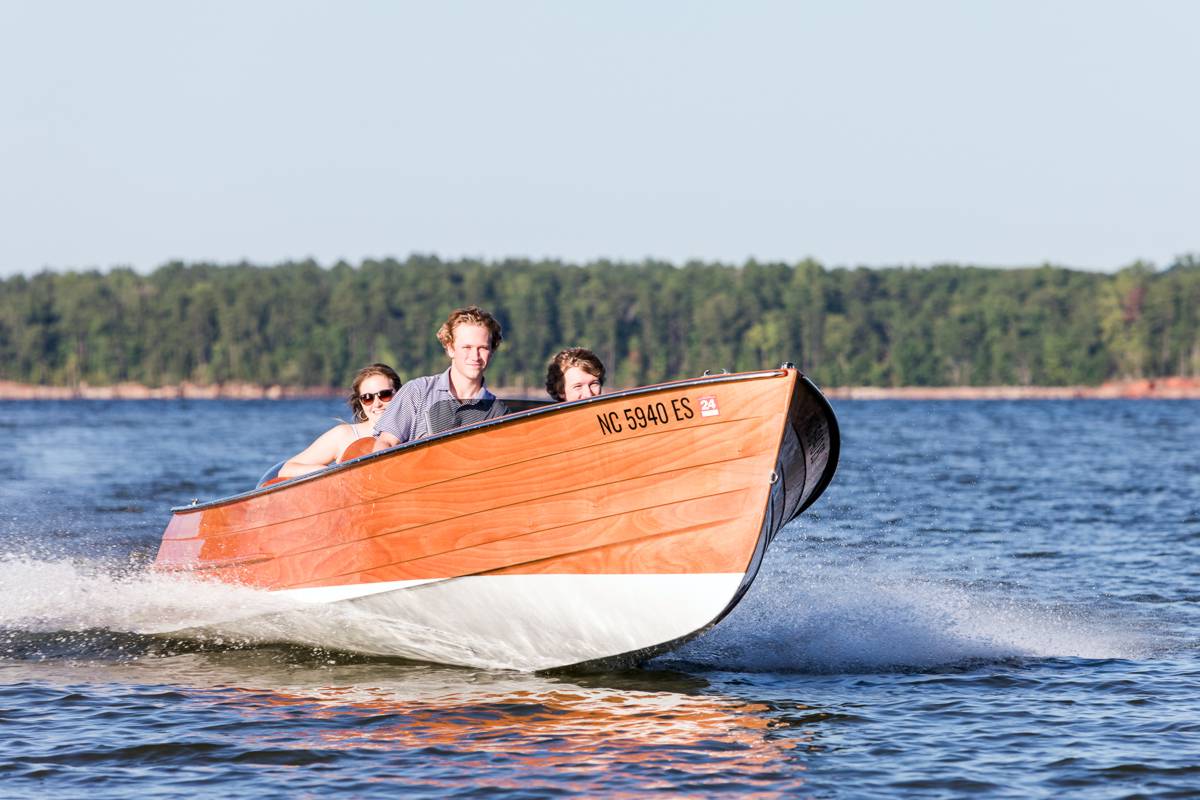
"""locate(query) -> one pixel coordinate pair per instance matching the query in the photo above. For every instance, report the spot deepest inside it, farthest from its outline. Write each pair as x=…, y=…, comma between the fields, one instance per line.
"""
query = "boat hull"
x=527, y=622
x=595, y=531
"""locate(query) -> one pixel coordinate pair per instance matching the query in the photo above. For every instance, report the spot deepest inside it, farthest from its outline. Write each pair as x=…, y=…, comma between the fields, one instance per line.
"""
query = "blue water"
x=993, y=598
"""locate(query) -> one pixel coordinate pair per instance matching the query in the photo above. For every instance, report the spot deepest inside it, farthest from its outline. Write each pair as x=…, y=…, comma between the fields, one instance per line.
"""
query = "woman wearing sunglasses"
x=373, y=388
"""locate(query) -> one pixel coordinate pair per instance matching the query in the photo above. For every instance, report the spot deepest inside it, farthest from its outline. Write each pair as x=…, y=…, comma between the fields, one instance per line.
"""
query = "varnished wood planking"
x=525, y=483
x=534, y=439
x=452, y=536
x=718, y=547
x=493, y=531
x=183, y=526
x=719, y=539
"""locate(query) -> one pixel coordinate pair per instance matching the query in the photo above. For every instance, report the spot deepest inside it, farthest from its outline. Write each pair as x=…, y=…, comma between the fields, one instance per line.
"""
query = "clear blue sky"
x=877, y=133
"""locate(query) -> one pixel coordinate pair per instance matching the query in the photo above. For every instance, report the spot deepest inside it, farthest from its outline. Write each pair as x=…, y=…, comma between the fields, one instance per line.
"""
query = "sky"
x=1008, y=133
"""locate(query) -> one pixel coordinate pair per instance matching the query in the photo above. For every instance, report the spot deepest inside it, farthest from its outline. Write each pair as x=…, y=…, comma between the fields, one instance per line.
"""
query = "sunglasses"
x=366, y=398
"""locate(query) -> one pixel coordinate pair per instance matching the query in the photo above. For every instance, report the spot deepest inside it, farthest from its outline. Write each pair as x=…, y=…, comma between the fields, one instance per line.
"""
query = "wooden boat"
x=599, y=531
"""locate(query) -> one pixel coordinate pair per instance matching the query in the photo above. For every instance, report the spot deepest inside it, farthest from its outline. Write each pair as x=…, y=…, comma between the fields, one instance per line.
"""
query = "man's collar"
x=442, y=384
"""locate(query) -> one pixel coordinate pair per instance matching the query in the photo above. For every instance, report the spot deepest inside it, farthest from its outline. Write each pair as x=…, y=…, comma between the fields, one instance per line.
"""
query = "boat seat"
x=359, y=447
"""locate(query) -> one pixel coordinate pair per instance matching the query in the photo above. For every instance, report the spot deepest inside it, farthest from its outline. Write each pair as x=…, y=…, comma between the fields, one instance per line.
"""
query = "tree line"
x=301, y=324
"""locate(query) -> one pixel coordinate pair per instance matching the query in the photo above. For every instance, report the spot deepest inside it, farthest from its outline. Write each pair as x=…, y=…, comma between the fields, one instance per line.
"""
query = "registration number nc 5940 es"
x=636, y=417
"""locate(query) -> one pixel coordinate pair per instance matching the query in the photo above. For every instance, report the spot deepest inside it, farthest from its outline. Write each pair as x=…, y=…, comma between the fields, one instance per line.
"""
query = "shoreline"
x=11, y=390
x=1170, y=388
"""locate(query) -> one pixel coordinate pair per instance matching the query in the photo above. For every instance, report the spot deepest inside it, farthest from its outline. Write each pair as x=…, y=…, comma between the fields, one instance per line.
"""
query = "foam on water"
x=819, y=620
x=65, y=595
x=830, y=622
x=56, y=598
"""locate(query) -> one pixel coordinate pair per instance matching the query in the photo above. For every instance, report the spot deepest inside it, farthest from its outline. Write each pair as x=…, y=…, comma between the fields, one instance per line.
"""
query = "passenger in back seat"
x=373, y=388
x=574, y=374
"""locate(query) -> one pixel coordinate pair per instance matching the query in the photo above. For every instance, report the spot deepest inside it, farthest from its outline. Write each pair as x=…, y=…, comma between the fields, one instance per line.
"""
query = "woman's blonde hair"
x=471, y=315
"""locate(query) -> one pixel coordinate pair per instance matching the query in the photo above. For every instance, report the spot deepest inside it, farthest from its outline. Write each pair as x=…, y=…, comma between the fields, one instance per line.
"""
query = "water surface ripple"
x=993, y=598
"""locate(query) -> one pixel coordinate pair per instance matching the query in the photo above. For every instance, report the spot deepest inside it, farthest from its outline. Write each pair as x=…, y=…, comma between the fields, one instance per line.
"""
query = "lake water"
x=993, y=598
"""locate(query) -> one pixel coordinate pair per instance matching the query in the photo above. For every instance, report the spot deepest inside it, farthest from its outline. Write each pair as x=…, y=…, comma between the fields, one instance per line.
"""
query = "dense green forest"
x=302, y=324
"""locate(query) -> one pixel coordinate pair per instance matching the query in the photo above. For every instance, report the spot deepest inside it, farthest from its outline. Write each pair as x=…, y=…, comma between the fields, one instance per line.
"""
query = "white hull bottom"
x=525, y=622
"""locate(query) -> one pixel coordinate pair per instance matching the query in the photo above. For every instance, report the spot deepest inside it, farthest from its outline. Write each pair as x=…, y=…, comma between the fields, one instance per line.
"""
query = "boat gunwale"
x=550, y=408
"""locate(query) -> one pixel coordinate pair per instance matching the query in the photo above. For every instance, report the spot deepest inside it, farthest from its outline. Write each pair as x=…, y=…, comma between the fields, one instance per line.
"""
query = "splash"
x=74, y=608
x=819, y=620
x=42, y=596
x=829, y=623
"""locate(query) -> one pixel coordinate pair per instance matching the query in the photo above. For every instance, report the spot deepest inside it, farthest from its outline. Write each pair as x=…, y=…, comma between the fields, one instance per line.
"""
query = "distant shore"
x=10, y=390
x=1173, y=388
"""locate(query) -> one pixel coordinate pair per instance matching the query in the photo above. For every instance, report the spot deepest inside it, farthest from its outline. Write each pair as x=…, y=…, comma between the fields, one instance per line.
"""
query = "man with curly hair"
x=459, y=396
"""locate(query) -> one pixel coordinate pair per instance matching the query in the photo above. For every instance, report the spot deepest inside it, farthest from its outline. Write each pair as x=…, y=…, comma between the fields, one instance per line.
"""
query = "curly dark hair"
x=563, y=360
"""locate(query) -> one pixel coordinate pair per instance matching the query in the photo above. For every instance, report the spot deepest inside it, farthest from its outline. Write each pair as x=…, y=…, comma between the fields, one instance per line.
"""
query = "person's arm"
x=395, y=426
x=318, y=455
x=383, y=441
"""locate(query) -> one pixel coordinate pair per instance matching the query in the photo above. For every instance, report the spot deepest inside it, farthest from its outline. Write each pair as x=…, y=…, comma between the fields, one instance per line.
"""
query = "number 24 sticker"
x=708, y=407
